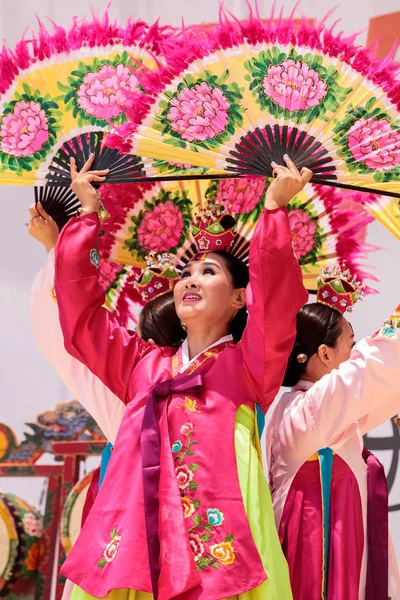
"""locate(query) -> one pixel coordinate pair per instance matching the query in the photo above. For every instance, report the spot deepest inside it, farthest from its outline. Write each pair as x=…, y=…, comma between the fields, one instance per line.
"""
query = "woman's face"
x=205, y=295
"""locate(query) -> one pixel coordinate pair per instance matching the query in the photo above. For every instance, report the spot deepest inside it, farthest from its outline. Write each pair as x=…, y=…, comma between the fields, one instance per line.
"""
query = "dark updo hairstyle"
x=240, y=278
x=316, y=324
x=158, y=321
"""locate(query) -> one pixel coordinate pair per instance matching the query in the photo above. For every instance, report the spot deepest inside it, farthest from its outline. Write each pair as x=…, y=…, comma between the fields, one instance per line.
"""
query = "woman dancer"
x=158, y=323
x=330, y=494
x=174, y=515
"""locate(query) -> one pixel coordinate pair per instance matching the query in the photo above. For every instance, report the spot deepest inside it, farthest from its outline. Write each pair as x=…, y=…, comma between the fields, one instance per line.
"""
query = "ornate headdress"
x=213, y=228
x=158, y=277
x=338, y=289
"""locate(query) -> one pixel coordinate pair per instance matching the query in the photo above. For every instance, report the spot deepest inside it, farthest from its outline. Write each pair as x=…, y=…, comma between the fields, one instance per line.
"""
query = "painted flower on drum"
x=294, y=85
x=375, y=143
x=240, y=196
x=224, y=552
x=32, y=525
x=184, y=476
x=303, y=229
x=199, y=112
x=161, y=227
x=24, y=130
x=196, y=545
x=102, y=92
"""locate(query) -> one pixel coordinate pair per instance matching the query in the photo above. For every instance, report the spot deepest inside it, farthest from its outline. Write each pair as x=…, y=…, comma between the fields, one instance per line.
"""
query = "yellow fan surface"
x=315, y=107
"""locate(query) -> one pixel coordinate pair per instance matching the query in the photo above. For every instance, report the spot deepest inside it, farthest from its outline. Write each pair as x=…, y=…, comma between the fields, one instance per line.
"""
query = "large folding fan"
x=158, y=218
x=61, y=93
x=240, y=96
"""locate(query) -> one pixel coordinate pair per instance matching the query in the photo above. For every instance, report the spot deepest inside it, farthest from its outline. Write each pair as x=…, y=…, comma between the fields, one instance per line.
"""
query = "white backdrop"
x=28, y=385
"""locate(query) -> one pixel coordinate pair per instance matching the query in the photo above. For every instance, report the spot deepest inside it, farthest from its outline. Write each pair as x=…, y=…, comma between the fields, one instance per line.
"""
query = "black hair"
x=316, y=324
x=240, y=278
x=158, y=321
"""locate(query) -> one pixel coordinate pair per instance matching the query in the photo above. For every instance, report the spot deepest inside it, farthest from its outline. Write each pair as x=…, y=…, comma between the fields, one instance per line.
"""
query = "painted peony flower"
x=103, y=92
x=188, y=508
x=108, y=273
x=196, y=545
x=111, y=550
x=161, y=227
x=240, y=196
x=37, y=556
x=32, y=525
x=184, y=476
x=224, y=553
x=293, y=85
x=303, y=229
x=375, y=143
x=177, y=446
x=215, y=517
x=24, y=131
x=187, y=428
x=199, y=113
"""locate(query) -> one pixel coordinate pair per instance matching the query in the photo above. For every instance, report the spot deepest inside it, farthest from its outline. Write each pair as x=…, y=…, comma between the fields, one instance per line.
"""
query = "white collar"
x=185, y=351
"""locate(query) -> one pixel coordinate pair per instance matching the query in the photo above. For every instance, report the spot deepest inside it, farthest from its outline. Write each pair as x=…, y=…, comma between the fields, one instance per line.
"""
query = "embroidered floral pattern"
x=95, y=92
x=177, y=446
x=111, y=550
x=184, y=476
x=205, y=523
x=295, y=86
x=188, y=507
x=190, y=405
x=204, y=110
x=94, y=258
x=369, y=142
x=215, y=517
x=224, y=552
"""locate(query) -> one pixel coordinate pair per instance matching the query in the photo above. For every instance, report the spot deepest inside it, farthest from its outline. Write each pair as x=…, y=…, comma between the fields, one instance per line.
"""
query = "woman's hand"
x=42, y=227
x=82, y=184
x=288, y=182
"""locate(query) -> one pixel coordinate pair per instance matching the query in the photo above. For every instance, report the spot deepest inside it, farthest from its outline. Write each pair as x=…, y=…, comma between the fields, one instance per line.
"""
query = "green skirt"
x=258, y=505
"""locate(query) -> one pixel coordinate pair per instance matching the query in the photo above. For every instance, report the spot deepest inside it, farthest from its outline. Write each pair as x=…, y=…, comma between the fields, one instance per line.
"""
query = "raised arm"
x=91, y=333
x=106, y=409
x=275, y=293
x=368, y=382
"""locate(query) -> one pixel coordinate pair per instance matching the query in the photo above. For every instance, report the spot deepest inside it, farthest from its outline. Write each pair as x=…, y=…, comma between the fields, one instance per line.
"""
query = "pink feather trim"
x=98, y=31
x=202, y=41
x=349, y=219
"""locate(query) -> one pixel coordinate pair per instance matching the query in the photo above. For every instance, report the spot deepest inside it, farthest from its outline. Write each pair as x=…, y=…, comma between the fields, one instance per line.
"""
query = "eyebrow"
x=203, y=262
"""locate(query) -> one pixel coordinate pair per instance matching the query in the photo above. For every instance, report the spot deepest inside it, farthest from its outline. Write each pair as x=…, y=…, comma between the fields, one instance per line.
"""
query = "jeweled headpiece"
x=338, y=289
x=214, y=229
x=158, y=277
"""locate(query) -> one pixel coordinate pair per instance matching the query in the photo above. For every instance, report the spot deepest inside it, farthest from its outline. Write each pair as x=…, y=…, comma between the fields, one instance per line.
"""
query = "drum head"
x=21, y=530
x=72, y=513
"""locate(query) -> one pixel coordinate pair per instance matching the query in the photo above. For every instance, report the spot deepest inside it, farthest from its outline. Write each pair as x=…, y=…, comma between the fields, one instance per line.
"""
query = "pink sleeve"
x=273, y=298
x=91, y=333
x=367, y=383
x=106, y=409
